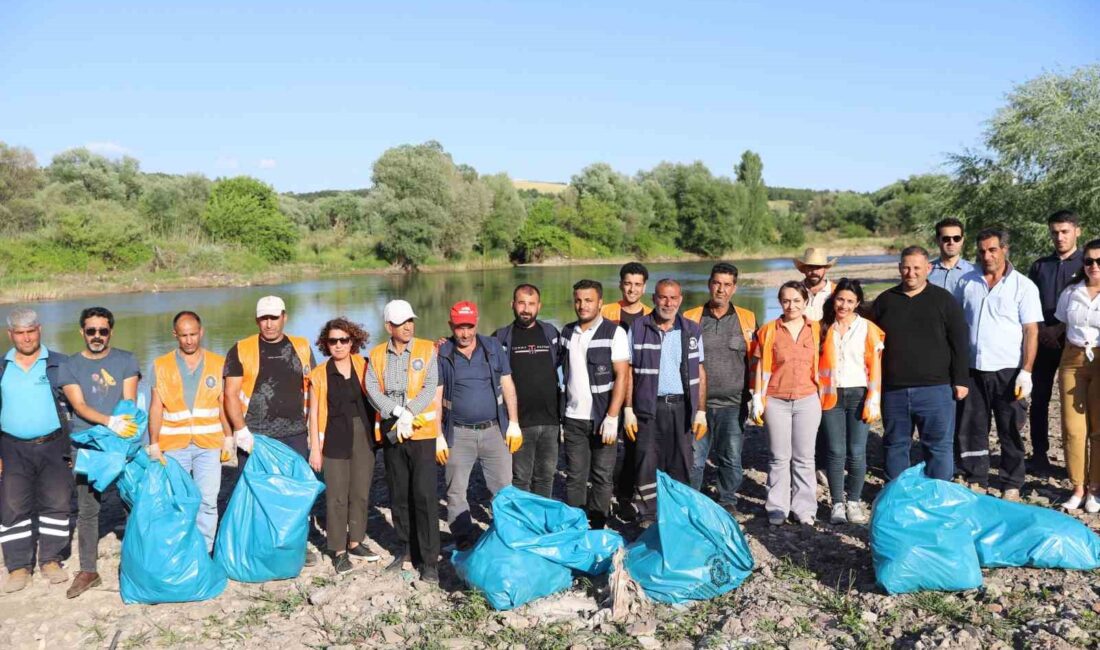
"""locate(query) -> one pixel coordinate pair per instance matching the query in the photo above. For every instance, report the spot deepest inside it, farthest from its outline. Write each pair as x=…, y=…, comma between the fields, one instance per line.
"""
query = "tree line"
x=83, y=211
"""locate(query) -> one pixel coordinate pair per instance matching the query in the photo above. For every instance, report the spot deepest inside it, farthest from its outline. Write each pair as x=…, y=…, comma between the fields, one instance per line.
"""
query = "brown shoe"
x=17, y=580
x=54, y=573
x=83, y=581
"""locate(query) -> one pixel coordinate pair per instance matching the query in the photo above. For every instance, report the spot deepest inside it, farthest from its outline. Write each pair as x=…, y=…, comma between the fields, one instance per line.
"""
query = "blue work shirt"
x=29, y=411
x=669, y=379
x=949, y=278
x=996, y=317
x=473, y=400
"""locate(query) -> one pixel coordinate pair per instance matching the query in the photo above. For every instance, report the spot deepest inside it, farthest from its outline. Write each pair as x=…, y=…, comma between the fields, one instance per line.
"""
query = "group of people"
x=948, y=350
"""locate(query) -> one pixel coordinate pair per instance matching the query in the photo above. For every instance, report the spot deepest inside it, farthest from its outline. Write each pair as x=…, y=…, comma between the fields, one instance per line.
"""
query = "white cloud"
x=108, y=149
x=227, y=162
x=267, y=163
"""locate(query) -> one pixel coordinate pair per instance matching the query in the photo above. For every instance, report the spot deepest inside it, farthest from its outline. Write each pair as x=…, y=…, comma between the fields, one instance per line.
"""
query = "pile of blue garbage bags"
x=535, y=546
x=164, y=559
x=934, y=535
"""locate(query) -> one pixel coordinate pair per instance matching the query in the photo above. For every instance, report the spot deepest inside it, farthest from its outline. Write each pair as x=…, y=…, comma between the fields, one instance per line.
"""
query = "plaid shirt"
x=396, y=379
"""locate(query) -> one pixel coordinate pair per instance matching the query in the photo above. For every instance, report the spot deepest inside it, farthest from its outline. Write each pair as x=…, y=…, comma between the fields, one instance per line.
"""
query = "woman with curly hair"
x=341, y=440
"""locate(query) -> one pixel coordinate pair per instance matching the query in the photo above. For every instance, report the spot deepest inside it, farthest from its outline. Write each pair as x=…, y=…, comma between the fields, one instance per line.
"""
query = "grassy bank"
x=31, y=271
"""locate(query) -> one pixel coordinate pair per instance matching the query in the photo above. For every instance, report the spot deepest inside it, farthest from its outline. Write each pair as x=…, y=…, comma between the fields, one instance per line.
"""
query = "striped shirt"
x=396, y=379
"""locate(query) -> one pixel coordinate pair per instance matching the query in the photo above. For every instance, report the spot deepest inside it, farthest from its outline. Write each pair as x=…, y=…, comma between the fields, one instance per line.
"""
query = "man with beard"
x=594, y=367
x=814, y=265
x=37, y=482
x=667, y=392
x=95, y=381
x=534, y=352
x=479, y=416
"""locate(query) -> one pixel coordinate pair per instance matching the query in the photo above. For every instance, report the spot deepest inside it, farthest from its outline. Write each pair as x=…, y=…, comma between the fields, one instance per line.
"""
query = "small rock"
x=733, y=626
x=392, y=634
x=868, y=617
x=786, y=622
x=515, y=621
x=321, y=596
x=381, y=600
x=1096, y=607
x=994, y=608
x=642, y=628
x=649, y=643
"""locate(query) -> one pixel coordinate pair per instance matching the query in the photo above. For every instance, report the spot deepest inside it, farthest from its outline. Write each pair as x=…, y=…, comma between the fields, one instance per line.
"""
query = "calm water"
x=143, y=322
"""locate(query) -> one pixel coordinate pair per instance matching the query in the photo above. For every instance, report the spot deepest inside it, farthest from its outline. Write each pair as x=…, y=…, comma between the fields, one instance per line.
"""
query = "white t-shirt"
x=579, y=406
x=851, y=371
x=1081, y=315
x=815, y=308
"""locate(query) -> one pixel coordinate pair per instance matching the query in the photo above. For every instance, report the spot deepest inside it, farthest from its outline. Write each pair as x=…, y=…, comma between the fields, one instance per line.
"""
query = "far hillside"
x=542, y=187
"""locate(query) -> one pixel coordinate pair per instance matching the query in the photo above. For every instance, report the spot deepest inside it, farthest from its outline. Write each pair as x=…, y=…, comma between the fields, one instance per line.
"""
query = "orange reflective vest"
x=201, y=422
x=614, y=311
x=744, y=316
x=421, y=352
x=872, y=359
x=248, y=351
x=764, y=350
x=318, y=379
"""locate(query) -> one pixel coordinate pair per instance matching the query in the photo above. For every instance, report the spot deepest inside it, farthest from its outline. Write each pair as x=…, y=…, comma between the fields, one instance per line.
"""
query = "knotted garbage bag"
x=263, y=533
x=129, y=481
x=164, y=558
x=101, y=454
x=928, y=534
x=694, y=551
x=532, y=549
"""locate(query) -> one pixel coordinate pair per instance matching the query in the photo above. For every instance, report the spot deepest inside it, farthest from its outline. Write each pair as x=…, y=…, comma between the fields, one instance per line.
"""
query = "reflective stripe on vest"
x=419, y=350
x=647, y=340
x=765, y=355
x=872, y=360
x=318, y=379
x=248, y=352
x=597, y=364
x=201, y=424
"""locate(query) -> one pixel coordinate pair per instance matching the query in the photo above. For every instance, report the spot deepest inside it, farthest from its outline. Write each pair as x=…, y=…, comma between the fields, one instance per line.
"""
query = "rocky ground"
x=813, y=588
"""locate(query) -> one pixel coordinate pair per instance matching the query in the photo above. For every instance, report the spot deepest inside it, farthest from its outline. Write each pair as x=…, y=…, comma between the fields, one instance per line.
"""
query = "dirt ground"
x=813, y=587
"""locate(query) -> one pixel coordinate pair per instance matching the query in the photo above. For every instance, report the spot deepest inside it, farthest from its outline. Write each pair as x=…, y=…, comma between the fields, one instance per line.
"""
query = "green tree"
x=413, y=226
x=757, y=226
x=19, y=173
x=506, y=217
x=100, y=177
x=246, y=211
x=111, y=235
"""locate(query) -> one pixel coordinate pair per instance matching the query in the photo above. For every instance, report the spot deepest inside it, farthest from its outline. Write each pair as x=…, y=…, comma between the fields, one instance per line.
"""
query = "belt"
x=670, y=399
x=40, y=440
x=480, y=426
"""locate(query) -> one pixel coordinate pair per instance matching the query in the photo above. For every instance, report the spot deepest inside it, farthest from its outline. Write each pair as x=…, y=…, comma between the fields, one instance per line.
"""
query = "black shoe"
x=597, y=520
x=311, y=558
x=429, y=573
x=624, y=510
x=398, y=560
x=341, y=563
x=362, y=551
x=1039, y=465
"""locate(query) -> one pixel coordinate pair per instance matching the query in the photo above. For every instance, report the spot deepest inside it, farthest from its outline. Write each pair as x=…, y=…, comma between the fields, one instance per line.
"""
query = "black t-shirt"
x=535, y=377
x=346, y=402
x=275, y=408
x=626, y=319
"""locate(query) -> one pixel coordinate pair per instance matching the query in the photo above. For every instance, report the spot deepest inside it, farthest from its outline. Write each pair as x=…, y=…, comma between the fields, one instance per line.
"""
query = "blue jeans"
x=932, y=410
x=725, y=434
x=846, y=435
x=205, y=466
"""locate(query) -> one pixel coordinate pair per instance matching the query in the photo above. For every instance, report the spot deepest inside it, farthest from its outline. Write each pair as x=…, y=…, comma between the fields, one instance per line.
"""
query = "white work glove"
x=699, y=425
x=404, y=425
x=609, y=430
x=630, y=424
x=123, y=425
x=442, y=452
x=229, y=451
x=756, y=413
x=156, y=454
x=513, y=437
x=874, y=412
x=244, y=439
x=1023, y=385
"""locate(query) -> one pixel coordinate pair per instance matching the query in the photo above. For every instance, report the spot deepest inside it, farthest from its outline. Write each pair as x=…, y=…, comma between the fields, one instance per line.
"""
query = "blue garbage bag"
x=101, y=454
x=1014, y=534
x=263, y=534
x=532, y=549
x=164, y=557
x=921, y=538
x=129, y=481
x=694, y=551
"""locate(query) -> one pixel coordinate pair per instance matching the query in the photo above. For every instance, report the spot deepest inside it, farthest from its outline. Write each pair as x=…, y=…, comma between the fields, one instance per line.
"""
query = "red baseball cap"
x=464, y=313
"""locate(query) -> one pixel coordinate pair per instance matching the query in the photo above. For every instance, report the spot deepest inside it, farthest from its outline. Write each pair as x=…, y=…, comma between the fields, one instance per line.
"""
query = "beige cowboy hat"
x=813, y=257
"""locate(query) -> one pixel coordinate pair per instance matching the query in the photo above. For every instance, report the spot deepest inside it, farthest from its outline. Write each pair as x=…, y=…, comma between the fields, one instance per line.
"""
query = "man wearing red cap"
x=479, y=405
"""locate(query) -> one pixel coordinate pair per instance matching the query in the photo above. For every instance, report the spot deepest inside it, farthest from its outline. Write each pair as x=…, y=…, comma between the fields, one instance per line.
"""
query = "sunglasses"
x=342, y=340
x=92, y=331
x=1090, y=261
x=951, y=239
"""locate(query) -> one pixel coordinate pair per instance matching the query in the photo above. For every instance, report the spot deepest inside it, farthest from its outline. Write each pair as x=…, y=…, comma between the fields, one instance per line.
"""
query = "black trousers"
x=588, y=460
x=992, y=399
x=412, y=477
x=624, y=482
x=35, y=499
x=664, y=443
x=1043, y=374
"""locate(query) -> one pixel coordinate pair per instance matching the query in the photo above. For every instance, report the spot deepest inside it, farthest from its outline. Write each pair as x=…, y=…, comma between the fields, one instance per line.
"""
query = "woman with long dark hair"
x=851, y=395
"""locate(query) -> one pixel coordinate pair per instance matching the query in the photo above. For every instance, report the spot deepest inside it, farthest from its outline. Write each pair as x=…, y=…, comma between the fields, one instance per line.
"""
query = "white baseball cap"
x=270, y=306
x=397, y=312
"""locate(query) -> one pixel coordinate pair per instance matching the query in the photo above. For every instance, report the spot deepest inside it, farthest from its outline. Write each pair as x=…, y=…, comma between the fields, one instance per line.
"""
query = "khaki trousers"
x=1079, y=383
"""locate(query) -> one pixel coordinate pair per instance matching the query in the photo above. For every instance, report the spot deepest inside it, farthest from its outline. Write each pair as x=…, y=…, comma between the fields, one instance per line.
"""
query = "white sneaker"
x=1092, y=505
x=855, y=513
x=1073, y=502
x=839, y=514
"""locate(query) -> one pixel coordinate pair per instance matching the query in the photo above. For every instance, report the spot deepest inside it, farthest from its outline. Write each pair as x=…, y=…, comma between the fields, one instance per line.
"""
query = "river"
x=143, y=321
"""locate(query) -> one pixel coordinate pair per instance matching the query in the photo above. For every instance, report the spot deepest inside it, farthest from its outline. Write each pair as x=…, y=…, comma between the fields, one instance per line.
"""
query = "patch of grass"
x=270, y=602
x=389, y=618
x=166, y=636
x=789, y=569
x=136, y=640
x=767, y=626
x=344, y=630
x=94, y=633
x=555, y=636
x=947, y=607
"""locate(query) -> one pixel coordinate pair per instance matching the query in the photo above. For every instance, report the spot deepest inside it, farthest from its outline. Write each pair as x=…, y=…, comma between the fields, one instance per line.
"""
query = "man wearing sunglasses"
x=186, y=418
x=266, y=384
x=949, y=268
x=95, y=381
x=1051, y=274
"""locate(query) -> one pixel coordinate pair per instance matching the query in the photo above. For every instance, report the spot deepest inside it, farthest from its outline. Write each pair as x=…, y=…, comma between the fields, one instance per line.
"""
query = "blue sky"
x=306, y=95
